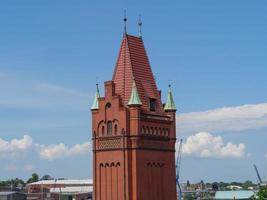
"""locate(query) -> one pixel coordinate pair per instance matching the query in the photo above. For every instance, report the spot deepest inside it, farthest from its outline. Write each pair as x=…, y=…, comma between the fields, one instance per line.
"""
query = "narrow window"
x=143, y=131
x=108, y=105
x=116, y=129
x=152, y=104
x=109, y=128
x=164, y=133
x=103, y=130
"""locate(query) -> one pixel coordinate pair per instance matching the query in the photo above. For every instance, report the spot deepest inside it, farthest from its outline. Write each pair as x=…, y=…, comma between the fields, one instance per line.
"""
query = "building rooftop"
x=64, y=182
x=72, y=190
x=133, y=64
x=7, y=193
x=241, y=194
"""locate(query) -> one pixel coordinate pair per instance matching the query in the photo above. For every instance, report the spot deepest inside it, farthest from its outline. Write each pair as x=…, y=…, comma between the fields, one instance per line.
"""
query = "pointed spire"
x=95, y=105
x=170, y=105
x=140, y=26
x=134, y=98
x=125, y=22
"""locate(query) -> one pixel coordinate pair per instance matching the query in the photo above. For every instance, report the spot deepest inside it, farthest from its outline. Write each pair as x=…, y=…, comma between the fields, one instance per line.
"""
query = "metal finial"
x=125, y=22
x=169, y=85
x=97, y=88
x=140, y=26
x=97, y=84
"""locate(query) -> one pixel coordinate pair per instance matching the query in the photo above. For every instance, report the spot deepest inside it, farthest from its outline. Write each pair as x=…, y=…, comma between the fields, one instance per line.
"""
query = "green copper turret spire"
x=134, y=98
x=95, y=105
x=170, y=105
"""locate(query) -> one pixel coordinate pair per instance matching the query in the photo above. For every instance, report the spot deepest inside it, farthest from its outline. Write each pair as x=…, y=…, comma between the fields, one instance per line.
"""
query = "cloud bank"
x=239, y=118
x=57, y=151
x=206, y=145
x=15, y=146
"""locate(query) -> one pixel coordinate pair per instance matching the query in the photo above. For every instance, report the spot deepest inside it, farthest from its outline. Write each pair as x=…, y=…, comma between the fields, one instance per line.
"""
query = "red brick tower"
x=133, y=133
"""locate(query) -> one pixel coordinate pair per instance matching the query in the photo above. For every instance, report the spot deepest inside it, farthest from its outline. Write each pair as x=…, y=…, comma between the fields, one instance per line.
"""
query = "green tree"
x=47, y=177
x=34, y=178
x=261, y=195
x=13, y=182
x=215, y=186
x=248, y=184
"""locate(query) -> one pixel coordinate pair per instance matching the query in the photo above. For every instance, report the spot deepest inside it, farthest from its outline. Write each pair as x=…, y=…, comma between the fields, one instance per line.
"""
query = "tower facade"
x=134, y=134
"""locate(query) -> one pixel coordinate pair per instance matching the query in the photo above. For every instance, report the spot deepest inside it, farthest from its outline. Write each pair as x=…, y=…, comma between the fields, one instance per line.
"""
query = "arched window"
x=143, y=131
x=103, y=130
x=160, y=131
x=108, y=105
x=152, y=104
x=156, y=131
x=147, y=130
x=109, y=128
x=164, y=132
x=151, y=130
x=116, y=129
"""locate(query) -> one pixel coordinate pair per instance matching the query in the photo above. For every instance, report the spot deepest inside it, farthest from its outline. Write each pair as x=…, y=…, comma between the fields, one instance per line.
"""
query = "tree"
x=12, y=183
x=248, y=184
x=46, y=177
x=187, y=183
x=34, y=178
x=261, y=195
x=215, y=186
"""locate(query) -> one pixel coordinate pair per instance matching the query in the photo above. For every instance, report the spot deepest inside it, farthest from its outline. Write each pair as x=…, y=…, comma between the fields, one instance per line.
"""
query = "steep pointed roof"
x=133, y=62
x=95, y=105
x=134, y=98
x=170, y=105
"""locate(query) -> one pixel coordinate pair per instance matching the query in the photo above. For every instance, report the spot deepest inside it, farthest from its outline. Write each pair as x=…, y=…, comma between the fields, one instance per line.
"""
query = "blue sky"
x=213, y=52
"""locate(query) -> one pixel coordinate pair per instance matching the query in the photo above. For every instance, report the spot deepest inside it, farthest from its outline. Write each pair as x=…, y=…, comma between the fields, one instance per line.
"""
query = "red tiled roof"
x=133, y=63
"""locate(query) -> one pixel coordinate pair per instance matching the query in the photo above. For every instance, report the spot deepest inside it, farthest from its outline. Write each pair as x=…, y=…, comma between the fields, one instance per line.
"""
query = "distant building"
x=230, y=195
x=60, y=190
x=234, y=187
x=12, y=195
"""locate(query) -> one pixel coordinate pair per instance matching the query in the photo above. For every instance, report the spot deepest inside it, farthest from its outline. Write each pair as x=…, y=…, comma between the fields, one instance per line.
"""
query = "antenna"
x=125, y=22
x=140, y=26
x=97, y=84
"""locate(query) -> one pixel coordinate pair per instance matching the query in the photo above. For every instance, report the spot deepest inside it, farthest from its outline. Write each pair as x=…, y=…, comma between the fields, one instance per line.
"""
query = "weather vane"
x=140, y=26
x=125, y=22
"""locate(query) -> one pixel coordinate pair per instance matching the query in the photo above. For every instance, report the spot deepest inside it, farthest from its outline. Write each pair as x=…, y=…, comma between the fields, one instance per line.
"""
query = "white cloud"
x=15, y=146
x=58, y=151
x=204, y=144
x=240, y=118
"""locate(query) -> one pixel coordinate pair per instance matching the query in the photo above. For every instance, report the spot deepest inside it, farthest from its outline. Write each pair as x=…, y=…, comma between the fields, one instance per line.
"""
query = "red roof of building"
x=133, y=63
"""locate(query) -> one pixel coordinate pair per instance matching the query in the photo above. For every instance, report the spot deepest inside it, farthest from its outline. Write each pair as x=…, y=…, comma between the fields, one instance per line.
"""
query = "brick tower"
x=133, y=132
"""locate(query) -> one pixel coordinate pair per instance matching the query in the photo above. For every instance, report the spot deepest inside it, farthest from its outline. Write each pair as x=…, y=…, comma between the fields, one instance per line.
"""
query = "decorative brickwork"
x=133, y=143
x=109, y=144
